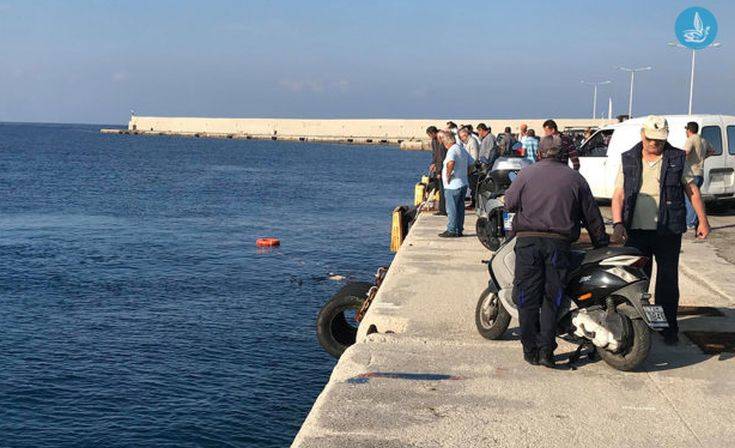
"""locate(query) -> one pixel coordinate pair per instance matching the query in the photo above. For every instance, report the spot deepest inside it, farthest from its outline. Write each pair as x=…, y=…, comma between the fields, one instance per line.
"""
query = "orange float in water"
x=267, y=242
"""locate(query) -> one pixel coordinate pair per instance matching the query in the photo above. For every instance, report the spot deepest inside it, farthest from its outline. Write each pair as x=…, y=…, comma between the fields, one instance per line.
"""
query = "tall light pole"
x=632, y=71
x=594, y=96
x=694, y=60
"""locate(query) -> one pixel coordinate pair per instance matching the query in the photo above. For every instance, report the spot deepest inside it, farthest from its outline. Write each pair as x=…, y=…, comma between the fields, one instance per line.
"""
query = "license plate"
x=655, y=316
x=508, y=221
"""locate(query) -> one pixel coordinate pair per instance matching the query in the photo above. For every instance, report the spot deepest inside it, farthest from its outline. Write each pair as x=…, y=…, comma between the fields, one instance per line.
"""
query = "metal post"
x=630, y=95
x=691, y=80
x=594, y=103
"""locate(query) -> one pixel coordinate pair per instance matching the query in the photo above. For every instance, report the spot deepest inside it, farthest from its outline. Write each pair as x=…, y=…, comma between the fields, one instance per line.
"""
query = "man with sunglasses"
x=649, y=212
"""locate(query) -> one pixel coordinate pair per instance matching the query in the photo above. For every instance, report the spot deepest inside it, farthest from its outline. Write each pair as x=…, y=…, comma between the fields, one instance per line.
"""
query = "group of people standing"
x=656, y=198
x=457, y=151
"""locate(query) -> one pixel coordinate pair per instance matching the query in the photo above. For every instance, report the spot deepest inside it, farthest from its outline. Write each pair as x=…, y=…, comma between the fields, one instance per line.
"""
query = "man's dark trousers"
x=541, y=269
x=442, y=199
x=665, y=247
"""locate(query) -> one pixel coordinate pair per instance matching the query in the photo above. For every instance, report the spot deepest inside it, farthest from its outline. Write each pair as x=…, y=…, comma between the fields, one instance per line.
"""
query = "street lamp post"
x=694, y=61
x=594, y=96
x=632, y=71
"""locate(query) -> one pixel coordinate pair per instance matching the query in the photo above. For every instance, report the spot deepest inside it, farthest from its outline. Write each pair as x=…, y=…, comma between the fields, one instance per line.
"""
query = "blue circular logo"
x=696, y=28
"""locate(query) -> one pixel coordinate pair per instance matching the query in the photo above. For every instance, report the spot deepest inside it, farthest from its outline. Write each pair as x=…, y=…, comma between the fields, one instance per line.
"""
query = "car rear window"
x=713, y=135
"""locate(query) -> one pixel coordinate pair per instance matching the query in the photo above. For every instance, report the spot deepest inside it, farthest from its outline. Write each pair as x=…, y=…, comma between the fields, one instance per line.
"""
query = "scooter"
x=606, y=303
x=492, y=222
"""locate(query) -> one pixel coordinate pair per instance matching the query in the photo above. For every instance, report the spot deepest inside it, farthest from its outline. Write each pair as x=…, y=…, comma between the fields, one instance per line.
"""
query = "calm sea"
x=135, y=309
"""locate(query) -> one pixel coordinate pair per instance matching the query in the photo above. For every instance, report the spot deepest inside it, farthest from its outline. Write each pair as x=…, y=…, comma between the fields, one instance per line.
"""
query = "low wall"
x=411, y=134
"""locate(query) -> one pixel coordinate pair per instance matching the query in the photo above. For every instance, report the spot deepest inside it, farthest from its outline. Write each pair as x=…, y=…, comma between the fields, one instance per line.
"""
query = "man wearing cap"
x=549, y=200
x=649, y=212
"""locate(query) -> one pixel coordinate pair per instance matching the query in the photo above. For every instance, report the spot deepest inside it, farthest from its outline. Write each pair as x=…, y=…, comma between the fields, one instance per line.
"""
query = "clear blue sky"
x=92, y=61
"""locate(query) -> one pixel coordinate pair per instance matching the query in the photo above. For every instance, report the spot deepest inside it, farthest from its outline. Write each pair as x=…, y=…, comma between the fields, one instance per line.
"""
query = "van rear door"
x=719, y=174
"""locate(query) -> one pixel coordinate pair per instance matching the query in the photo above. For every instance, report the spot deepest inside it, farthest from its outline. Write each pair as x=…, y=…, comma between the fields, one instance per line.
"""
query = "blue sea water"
x=135, y=309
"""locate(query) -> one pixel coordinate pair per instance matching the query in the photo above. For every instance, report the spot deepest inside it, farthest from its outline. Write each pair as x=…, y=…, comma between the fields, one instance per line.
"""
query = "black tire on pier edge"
x=334, y=329
x=491, y=317
x=637, y=345
x=484, y=234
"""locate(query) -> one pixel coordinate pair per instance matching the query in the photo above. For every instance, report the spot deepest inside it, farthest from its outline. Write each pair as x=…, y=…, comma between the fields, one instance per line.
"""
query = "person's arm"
x=620, y=235
x=450, y=170
x=591, y=216
x=695, y=197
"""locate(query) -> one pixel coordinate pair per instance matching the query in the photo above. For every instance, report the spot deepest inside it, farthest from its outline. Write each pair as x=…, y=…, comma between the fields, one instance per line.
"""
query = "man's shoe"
x=531, y=358
x=448, y=234
x=546, y=359
x=440, y=214
x=460, y=234
x=671, y=339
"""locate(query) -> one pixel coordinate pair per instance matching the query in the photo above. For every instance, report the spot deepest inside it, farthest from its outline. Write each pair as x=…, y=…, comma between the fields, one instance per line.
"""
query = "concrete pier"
x=409, y=134
x=421, y=376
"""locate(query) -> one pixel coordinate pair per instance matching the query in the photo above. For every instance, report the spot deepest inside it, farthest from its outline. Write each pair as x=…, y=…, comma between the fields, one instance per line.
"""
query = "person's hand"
x=432, y=168
x=703, y=230
x=619, y=235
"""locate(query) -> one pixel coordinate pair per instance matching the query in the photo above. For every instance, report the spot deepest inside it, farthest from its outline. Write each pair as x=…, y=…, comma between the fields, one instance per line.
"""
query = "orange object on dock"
x=267, y=242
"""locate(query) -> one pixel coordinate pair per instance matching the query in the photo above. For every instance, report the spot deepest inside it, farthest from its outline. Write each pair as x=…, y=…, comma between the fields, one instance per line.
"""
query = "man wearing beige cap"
x=649, y=212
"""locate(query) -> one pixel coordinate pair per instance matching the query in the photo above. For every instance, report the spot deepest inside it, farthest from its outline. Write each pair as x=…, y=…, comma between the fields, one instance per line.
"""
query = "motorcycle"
x=492, y=222
x=606, y=303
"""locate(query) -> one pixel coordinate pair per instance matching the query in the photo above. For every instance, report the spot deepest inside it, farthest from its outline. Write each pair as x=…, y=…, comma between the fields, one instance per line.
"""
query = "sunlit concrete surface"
x=425, y=378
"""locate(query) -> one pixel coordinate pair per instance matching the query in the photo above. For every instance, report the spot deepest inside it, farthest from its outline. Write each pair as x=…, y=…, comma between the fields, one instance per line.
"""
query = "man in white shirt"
x=454, y=177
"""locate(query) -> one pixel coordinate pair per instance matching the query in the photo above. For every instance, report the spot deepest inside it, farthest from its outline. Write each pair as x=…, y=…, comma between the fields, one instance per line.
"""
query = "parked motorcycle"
x=606, y=303
x=492, y=221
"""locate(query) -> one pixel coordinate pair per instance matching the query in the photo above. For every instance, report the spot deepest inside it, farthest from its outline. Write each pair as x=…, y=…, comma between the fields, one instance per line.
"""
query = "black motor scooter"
x=606, y=303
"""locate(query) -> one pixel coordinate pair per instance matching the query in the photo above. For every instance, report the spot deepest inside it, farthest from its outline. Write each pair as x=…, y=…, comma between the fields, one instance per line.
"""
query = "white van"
x=600, y=154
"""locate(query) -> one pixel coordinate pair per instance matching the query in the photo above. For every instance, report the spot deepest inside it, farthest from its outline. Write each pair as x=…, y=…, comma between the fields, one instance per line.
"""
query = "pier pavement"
x=423, y=377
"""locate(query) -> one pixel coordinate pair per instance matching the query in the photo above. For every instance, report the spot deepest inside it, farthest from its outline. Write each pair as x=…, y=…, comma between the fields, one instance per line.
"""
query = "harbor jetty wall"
x=409, y=134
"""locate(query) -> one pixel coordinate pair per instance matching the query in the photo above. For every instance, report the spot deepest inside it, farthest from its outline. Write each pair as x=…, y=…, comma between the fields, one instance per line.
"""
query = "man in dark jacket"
x=549, y=200
x=438, y=152
x=649, y=212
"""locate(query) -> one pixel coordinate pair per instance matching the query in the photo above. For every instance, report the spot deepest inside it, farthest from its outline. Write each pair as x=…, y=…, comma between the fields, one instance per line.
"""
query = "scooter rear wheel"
x=491, y=318
x=636, y=346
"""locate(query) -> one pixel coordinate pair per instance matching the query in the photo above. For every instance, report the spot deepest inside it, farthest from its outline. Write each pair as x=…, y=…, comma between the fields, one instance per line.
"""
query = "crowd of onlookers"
x=655, y=201
x=457, y=151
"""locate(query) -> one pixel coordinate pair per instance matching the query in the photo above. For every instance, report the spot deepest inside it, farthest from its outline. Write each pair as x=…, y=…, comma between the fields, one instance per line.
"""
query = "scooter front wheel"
x=637, y=343
x=484, y=231
x=491, y=318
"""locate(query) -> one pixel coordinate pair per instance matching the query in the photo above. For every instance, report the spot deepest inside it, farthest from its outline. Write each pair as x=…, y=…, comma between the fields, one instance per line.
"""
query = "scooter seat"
x=597, y=255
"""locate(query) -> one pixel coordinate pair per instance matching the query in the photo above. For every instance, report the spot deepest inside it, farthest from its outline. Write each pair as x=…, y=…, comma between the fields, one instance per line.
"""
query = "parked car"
x=600, y=154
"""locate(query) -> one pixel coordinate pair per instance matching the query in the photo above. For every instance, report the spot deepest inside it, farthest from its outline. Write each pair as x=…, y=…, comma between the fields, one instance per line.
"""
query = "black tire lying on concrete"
x=336, y=328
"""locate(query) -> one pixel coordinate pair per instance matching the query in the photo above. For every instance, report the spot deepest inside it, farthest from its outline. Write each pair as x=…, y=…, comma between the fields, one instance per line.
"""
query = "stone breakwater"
x=409, y=134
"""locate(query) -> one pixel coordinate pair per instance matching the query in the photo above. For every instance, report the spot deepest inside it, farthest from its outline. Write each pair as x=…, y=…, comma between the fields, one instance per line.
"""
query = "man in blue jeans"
x=697, y=150
x=454, y=178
